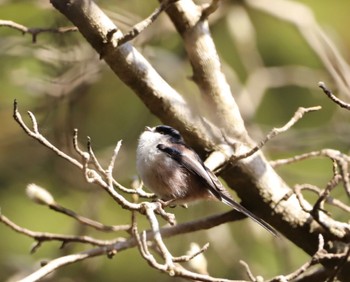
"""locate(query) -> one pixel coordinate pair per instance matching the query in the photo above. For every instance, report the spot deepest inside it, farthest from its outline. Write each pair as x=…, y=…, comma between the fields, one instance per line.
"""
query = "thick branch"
x=131, y=67
x=220, y=106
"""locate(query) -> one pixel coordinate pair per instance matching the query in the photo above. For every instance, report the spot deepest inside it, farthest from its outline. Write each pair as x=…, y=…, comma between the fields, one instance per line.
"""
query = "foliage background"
x=63, y=82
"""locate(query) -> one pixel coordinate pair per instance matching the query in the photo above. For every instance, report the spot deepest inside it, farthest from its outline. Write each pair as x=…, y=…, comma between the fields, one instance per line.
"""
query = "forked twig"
x=35, y=31
x=37, y=136
x=276, y=131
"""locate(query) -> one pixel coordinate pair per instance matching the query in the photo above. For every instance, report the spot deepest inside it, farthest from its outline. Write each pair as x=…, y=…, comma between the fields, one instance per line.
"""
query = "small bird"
x=175, y=172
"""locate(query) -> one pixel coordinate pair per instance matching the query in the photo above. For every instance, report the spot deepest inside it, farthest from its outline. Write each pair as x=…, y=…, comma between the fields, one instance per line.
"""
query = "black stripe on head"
x=171, y=132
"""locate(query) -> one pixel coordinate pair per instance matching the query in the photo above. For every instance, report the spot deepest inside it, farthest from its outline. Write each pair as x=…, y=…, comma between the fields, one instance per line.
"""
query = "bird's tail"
x=230, y=202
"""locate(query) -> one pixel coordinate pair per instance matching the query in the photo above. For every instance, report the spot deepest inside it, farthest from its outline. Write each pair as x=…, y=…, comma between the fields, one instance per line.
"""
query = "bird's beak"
x=147, y=128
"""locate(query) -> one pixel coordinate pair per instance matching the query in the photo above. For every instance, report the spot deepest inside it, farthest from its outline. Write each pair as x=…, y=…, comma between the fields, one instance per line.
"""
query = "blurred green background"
x=63, y=82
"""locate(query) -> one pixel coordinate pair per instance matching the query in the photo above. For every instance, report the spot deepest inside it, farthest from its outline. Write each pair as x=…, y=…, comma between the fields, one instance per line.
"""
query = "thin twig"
x=122, y=188
x=62, y=261
x=37, y=136
x=329, y=153
x=339, y=266
x=35, y=31
x=169, y=264
x=305, y=266
x=325, y=194
x=276, y=131
x=328, y=199
x=109, y=171
x=141, y=26
x=248, y=271
x=91, y=175
x=188, y=257
x=166, y=232
x=42, y=197
x=340, y=230
x=331, y=96
x=45, y=236
x=89, y=222
x=340, y=162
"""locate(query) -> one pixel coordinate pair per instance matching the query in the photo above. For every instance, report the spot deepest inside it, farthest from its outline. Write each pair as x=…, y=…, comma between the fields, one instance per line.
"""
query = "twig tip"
x=15, y=107
x=321, y=84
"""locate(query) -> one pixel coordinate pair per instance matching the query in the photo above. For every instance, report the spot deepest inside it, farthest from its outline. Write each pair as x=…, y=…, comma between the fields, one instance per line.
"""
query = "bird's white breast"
x=158, y=171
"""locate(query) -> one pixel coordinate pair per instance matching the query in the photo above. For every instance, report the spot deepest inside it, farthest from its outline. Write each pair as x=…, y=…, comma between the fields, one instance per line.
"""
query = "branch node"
x=36, y=245
x=209, y=9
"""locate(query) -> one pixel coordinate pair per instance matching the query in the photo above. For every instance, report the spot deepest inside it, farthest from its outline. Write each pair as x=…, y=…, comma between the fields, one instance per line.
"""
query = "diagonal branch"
x=331, y=96
x=131, y=67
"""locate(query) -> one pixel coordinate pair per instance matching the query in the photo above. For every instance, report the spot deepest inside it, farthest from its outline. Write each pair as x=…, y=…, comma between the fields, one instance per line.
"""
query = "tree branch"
x=35, y=31
x=331, y=96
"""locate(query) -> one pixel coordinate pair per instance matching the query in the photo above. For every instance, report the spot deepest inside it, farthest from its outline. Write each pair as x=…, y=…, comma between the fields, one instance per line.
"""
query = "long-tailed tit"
x=175, y=172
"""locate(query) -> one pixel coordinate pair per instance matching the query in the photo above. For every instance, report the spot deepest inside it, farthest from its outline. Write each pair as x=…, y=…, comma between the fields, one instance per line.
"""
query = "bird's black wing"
x=192, y=162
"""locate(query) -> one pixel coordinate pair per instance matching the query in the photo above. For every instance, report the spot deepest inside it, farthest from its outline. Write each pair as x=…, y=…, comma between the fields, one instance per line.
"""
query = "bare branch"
x=169, y=265
x=340, y=159
x=308, y=264
x=340, y=266
x=141, y=26
x=248, y=271
x=331, y=96
x=35, y=31
x=188, y=257
x=317, y=211
x=329, y=153
x=45, y=236
x=101, y=170
x=91, y=175
x=320, y=255
x=43, y=197
x=37, y=136
x=218, y=101
x=327, y=198
x=59, y=262
x=130, y=243
x=110, y=168
x=201, y=224
x=276, y=131
x=89, y=222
